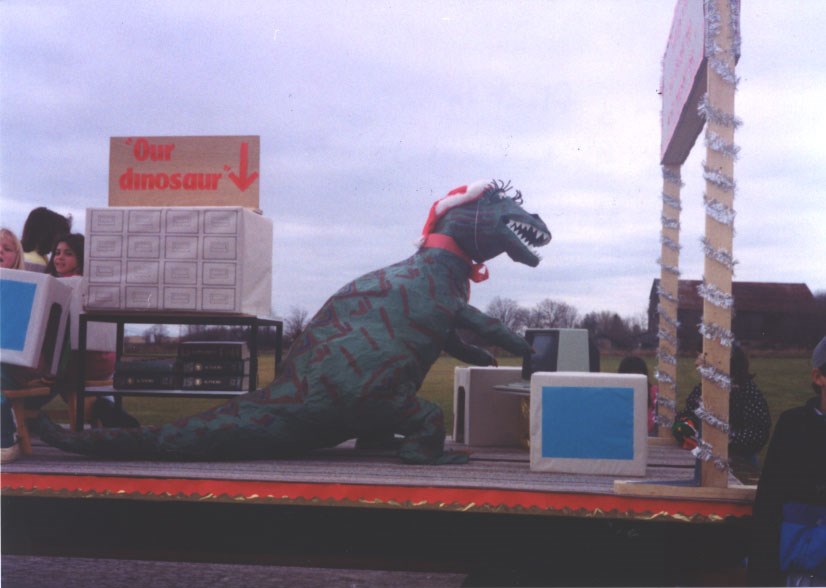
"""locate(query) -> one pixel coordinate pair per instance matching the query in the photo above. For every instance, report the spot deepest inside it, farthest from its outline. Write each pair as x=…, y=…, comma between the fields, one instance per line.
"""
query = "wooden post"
x=717, y=306
x=669, y=285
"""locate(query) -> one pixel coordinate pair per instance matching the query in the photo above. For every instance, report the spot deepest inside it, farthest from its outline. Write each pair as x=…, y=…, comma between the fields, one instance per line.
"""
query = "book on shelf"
x=216, y=367
x=216, y=383
x=133, y=381
x=214, y=350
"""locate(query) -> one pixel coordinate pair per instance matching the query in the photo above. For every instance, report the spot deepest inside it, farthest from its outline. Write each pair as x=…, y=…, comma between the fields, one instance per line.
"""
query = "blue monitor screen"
x=16, y=301
x=608, y=412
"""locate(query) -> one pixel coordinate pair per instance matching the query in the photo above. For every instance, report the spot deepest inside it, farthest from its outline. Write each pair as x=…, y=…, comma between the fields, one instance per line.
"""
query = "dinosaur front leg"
x=492, y=330
x=467, y=353
x=424, y=431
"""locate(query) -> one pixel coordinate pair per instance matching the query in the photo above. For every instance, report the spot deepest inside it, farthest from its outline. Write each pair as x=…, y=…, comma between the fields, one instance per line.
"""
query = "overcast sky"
x=369, y=111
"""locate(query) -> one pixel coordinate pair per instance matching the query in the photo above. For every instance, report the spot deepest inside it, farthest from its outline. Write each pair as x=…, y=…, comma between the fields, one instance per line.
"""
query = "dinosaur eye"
x=518, y=197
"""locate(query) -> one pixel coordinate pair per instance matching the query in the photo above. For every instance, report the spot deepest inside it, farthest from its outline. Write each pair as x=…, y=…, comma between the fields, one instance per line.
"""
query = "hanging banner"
x=184, y=171
x=683, y=82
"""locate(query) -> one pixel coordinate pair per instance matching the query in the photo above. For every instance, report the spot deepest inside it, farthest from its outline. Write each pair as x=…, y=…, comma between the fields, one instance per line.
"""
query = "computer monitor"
x=34, y=308
x=559, y=350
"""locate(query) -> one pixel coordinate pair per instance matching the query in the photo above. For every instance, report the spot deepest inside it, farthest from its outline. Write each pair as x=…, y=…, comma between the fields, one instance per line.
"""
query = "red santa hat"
x=456, y=197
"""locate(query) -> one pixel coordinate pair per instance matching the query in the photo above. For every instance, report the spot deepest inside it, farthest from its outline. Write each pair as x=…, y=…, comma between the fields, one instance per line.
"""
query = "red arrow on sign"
x=243, y=181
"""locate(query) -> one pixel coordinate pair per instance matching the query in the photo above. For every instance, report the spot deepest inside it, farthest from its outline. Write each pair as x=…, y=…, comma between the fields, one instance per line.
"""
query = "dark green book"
x=147, y=381
x=230, y=383
x=216, y=367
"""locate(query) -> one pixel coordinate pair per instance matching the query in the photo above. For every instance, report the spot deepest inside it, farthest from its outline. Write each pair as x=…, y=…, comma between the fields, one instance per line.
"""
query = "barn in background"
x=767, y=315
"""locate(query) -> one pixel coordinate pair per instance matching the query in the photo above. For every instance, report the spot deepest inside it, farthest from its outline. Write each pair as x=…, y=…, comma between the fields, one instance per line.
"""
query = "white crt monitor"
x=34, y=308
x=558, y=350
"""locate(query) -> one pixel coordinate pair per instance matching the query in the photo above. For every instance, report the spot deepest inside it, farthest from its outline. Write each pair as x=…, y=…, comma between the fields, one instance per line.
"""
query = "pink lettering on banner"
x=184, y=171
x=684, y=56
x=144, y=150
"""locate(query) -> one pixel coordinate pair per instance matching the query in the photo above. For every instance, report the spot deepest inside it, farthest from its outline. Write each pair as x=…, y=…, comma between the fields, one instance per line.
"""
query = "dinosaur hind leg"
x=424, y=431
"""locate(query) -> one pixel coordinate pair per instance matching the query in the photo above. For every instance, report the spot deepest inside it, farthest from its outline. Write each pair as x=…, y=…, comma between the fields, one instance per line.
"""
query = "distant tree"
x=552, y=314
x=608, y=326
x=638, y=328
x=294, y=324
x=513, y=316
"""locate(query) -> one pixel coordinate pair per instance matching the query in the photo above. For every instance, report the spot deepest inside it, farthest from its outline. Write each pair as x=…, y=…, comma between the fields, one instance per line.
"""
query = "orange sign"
x=184, y=171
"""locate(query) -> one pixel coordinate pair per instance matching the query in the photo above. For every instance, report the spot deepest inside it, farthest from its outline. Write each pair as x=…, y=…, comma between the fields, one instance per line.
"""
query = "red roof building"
x=765, y=314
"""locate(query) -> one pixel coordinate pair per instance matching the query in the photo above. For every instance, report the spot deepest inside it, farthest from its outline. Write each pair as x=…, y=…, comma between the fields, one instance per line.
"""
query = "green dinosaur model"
x=355, y=370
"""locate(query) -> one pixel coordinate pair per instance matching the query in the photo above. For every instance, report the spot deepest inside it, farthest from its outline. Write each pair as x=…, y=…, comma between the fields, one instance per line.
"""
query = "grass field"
x=784, y=381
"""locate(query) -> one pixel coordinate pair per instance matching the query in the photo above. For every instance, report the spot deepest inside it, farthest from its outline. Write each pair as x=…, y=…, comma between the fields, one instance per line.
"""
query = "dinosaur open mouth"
x=529, y=235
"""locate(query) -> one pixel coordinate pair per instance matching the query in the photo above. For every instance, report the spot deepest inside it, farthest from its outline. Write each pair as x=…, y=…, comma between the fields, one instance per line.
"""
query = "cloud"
x=369, y=111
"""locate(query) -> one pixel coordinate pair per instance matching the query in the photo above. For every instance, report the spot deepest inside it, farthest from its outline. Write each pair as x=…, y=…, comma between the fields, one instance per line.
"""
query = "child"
x=11, y=251
x=794, y=472
x=749, y=419
x=66, y=261
x=13, y=376
x=41, y=228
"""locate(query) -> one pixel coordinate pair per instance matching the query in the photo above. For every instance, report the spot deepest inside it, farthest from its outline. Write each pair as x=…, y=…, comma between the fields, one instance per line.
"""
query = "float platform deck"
x=497, y=479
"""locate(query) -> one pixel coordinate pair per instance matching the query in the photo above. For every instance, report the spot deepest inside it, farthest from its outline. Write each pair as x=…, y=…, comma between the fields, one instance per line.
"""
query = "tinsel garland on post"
x=669, y=324
x=720, y=62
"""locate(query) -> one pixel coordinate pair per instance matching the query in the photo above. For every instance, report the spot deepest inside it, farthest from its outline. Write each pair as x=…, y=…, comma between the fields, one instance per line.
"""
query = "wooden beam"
x=719, y=236
x=669, y=285
x=732, y=493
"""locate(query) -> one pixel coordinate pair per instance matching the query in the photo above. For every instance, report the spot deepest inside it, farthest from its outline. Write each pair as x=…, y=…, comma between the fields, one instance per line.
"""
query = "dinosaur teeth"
x=528, y=234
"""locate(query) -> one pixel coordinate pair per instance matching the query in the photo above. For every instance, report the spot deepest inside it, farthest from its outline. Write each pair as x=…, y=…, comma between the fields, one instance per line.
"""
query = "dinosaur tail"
x=237, y=430
x=137, y=443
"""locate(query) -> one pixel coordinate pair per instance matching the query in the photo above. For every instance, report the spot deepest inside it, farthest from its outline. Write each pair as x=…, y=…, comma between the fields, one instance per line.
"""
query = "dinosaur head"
x=485, y=221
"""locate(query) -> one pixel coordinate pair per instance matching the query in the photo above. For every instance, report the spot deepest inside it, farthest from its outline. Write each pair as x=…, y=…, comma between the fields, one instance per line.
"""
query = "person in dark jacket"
x=794, y=471
x=749, y=418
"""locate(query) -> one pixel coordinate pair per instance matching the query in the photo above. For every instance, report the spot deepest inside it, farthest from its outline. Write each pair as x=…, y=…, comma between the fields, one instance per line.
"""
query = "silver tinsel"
x=721, y=256
x=714, y=332
x=670, y=243
x=716, y=143
x=714, y=52
x=663, y=421
x=704, y=452
x=667, y=317
x=667, y=295
x=707, y=417
x=669, y=223
x=719, y=211
x=668, y=268
x=667, y=337
x=666, y=357
x=715, y=296
x=667, y=402
x=672, y=202
x=672, y=178
x=717, y=116
x=719, y=179
x=734, y=26
x=712, y=374
x=663, y=377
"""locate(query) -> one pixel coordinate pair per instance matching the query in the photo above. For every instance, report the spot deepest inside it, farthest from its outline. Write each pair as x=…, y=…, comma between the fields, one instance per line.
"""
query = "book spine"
x=141, y=381
x=237, y=367
x=215, y=383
